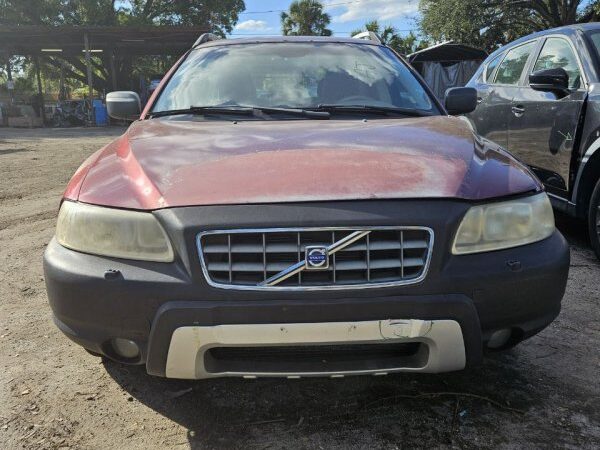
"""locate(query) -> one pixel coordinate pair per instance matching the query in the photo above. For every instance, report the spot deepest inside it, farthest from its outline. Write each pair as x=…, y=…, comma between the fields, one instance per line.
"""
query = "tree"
x=490, y=23
x=305, y=18
x=390, y=37
x=220, y=16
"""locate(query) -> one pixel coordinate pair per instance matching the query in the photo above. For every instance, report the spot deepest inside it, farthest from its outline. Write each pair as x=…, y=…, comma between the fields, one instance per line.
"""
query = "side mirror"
x=550, y=80
x=123, y=105
x=460, y=100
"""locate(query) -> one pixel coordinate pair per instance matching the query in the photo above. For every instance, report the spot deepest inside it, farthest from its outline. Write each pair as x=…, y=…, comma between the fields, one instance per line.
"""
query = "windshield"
x=294, y=75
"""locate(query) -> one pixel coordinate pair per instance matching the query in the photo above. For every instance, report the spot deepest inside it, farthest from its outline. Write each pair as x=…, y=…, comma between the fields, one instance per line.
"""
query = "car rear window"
x=511, y=68
x=294, y=75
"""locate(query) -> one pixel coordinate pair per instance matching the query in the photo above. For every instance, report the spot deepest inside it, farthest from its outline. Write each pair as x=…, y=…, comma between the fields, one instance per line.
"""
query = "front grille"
x=246, y=259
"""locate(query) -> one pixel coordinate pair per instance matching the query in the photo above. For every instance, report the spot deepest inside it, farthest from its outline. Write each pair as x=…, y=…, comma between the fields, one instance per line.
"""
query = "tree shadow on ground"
x=412, y=408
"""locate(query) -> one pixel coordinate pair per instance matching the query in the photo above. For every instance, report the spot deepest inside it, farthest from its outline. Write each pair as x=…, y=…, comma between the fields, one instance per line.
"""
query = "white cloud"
x=252, y=25
x=372, y=9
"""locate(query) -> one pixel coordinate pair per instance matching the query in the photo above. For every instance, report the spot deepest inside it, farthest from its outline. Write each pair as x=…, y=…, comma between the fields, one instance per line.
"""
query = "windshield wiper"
x=294, y=111
x=374, y=109
x=234, y=110
x=242, y=110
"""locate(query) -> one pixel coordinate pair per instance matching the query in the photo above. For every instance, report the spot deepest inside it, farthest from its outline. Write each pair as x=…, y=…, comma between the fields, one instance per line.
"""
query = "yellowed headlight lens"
x=496, y=226
x=112, y=232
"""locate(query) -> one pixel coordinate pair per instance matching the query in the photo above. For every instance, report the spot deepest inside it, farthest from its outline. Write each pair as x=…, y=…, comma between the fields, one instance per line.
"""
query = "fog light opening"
x=125, y=348
x=499, y=338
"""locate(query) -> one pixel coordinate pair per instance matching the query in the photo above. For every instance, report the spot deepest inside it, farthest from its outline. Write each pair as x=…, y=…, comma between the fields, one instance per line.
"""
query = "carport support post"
x=41, y=102
x=88, y=63
x=10, y=78
x=113, y=70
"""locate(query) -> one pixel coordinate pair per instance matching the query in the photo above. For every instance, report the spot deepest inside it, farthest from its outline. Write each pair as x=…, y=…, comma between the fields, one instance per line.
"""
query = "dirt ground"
x=543, y=394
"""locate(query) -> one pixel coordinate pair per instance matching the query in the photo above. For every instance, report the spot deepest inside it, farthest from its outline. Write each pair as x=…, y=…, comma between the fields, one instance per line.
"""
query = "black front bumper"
x=518, y=288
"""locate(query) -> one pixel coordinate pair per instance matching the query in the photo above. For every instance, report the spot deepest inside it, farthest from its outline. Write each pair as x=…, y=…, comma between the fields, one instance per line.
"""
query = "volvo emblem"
x=317, y=257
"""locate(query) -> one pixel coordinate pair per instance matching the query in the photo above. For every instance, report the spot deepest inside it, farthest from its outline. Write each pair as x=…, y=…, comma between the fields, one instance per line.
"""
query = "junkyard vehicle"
x=538, y=97
x=299, y=207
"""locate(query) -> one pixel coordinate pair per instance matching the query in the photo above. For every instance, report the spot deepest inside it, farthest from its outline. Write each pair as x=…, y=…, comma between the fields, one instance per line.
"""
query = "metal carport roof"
x=448, y=51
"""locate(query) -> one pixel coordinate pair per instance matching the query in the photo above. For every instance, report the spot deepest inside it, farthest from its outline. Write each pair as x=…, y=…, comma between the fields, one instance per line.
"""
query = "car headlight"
x=112, y=232
x=506, y=224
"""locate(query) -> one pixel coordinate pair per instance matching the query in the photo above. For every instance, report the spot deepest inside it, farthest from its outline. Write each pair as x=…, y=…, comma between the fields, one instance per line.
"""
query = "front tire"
x=594, y=219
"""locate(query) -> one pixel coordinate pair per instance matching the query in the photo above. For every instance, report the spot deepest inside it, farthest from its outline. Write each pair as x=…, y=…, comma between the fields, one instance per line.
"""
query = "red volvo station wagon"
x=301, y=207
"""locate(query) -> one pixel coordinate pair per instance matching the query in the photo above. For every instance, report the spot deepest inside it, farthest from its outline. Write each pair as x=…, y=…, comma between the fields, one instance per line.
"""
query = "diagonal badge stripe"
x=301, y=265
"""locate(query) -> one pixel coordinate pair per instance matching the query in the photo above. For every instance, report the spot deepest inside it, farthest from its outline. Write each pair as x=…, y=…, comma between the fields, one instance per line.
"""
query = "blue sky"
x=262, y=16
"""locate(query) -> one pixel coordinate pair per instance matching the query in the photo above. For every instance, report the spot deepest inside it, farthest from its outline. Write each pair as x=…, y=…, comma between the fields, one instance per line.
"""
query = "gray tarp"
x=440, y=77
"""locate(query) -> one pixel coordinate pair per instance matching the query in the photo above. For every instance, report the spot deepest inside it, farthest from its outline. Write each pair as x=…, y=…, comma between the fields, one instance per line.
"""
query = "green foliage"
x=220, y=16
x=305, y=18
x=390, y=37
x=490, y=23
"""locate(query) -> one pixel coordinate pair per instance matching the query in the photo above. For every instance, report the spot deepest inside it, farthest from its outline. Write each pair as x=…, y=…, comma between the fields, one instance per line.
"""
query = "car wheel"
x=594, y=219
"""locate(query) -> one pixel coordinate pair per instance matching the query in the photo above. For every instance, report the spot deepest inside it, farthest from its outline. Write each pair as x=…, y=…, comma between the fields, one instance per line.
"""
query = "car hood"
x=161, y=163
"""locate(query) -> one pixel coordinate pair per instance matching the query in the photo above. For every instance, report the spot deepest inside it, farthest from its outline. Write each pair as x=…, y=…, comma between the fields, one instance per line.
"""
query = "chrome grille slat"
x=264, y=251
x=388, y=245
x=229, y=260
x=257, y=267
x=368, y=254
x=334, y=256
x=359, y=257
x=291, y=248
x=299, y=246
x=380, y=264
x=402, y=254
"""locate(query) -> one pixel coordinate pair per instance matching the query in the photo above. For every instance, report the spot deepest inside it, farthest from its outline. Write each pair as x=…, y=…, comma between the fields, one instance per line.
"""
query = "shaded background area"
x=544, y=393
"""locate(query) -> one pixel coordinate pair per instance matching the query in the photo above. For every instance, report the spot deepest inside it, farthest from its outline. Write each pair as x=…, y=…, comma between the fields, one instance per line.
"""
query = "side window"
x=557, y=53
x=488, y=72
x=511, y=68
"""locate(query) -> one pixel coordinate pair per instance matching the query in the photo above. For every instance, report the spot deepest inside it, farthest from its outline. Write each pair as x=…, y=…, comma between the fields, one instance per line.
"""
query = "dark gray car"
x=539, y=97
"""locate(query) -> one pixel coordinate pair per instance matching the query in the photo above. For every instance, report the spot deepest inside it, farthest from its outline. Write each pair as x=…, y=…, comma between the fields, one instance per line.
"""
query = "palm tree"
x=305, y=18
x=390, y=37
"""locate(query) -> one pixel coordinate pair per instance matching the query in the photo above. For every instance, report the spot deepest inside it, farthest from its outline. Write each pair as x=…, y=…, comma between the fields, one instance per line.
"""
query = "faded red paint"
x=74, y=186
x=165, y=163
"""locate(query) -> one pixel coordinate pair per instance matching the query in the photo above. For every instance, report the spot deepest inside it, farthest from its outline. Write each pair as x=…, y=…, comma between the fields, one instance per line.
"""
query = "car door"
x=482, y=117
x=492, y=116
x=543, y=125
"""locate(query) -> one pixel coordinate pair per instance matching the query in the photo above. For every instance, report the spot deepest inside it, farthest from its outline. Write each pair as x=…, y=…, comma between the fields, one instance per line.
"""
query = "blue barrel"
x=101, y=115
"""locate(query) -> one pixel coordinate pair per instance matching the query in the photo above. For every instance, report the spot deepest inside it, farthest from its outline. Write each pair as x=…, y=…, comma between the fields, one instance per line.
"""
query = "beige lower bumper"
x=442, y=350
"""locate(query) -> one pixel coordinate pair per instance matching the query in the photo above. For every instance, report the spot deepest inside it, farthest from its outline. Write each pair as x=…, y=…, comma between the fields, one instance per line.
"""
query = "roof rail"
x=205, y=37
x=368, y=36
